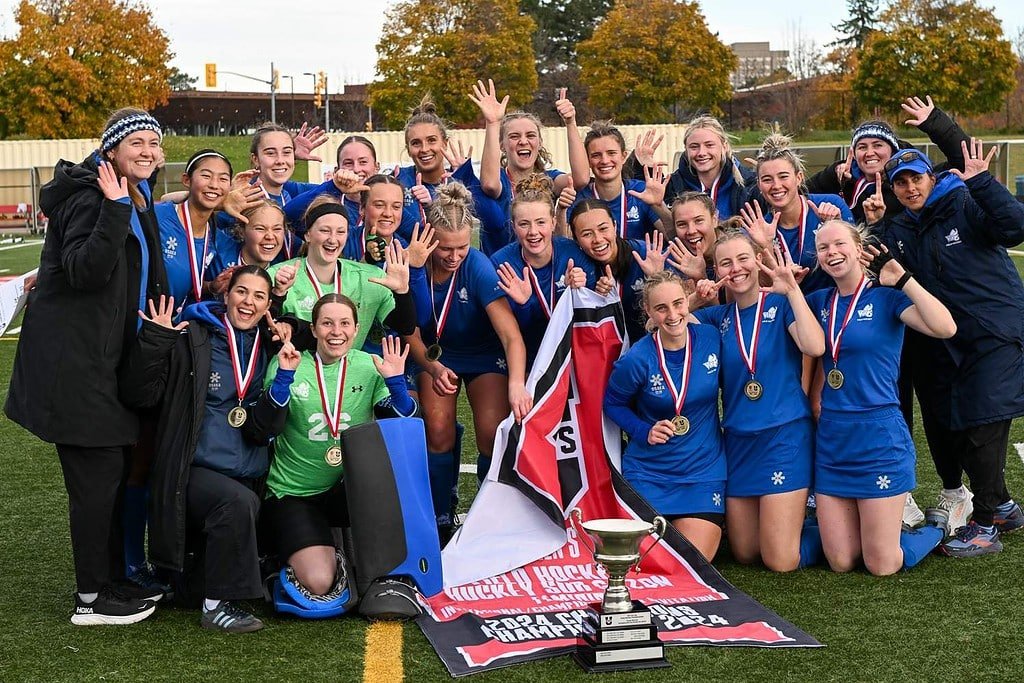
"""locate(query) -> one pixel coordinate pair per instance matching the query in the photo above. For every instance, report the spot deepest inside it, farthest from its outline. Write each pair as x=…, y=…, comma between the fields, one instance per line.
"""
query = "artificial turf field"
x=947, y=620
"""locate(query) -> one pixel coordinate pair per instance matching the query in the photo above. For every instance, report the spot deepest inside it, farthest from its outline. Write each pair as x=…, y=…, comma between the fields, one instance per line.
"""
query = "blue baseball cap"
x=907, y=160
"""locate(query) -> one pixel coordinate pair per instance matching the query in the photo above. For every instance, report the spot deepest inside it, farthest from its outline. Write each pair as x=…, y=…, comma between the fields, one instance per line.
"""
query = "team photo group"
x=196, y=357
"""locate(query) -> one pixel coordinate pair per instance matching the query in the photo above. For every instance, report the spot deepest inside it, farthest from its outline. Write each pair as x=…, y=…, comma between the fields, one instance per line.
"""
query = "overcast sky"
x=340, y=38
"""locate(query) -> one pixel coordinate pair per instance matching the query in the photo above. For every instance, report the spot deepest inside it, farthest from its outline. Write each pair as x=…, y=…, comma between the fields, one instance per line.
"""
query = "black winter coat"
x=161, y=369
x=81, y=317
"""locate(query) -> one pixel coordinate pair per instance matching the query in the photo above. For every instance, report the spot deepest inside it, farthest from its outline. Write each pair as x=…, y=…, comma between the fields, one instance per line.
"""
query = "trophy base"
x=620, y=641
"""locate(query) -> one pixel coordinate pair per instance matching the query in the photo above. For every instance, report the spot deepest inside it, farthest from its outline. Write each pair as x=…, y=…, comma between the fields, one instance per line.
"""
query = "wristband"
x=904, y=279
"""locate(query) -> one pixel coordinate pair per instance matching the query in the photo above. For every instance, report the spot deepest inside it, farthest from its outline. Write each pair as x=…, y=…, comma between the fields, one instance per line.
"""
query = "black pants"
x=95, y=480
x=980, y=452
x=225, y=510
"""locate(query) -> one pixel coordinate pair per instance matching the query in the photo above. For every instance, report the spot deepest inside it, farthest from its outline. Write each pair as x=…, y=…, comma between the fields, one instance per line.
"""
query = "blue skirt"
x=774, y=460
x=864, y=455
x=675, y=499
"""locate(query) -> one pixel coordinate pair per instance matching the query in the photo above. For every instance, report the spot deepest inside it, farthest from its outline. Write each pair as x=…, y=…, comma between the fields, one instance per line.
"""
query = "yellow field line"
x=382, y=662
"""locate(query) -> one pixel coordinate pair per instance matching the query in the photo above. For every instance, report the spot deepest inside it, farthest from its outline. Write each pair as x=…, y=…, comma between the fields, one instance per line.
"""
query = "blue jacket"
x=730, y=195
x=956, y=248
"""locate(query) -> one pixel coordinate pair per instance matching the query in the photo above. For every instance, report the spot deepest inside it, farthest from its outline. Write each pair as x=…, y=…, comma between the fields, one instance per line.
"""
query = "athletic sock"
x=134, y=520
x=442, y=480
x=483, y=466
x=917, y=543
x=210, y=605
x=460, y=430
x=811, y=552
x=88, y=598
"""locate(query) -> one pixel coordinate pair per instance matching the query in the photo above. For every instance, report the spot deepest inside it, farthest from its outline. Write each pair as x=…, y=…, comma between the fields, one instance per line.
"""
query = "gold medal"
x=434, y=353
x=333, y=455
x=835, y=378
x=753, y=390
x=680, y=424
x=237, y=416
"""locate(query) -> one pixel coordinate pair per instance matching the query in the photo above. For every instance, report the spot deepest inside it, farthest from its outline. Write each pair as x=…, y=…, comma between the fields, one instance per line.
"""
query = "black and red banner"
x=517, y=576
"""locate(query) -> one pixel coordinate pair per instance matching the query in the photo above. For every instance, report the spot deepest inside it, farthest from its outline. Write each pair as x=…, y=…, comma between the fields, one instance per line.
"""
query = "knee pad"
x=291, y=597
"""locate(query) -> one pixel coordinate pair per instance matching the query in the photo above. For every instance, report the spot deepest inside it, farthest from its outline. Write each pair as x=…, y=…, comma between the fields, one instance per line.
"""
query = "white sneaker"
x=959, y=504
x=912, y=515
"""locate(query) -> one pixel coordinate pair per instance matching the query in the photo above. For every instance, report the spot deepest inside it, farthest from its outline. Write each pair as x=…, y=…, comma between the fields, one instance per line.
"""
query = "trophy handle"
x=659, y=532
x=576, y=521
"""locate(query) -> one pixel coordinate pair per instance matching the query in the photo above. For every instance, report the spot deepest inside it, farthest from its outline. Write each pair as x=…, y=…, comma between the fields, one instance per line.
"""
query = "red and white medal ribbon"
x=622, y=206
x=678, y=394
x=802, y=227
x=860, y=188
x=196, y=267
x=836, y=337
x=750, y=358
x=549, y=303
x=316, y=283
x=332, y=415
x=242, y=379
x=446, y=306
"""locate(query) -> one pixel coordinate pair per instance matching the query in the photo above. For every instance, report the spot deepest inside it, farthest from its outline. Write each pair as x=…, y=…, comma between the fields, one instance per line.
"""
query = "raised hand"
x=421, y=246
x=162, y=314
x=348, y=182
x=655, y=182
x=825, y=211
x=306, y=140
x=112, y=187
x=782, y=275
x=244, y=179
x=420, y=192
x=454, y=154
x=691, y=265
x=760, y=230
x=487, y=100
x=567, y=197
x=288, y=358
x=654, y=261
x=843, y=170
x=918, y=110
x=284, y=278
x=565, y=108
x=874, y=204
x=575, y=278
x=974, y=162
x=646, y=145
x=396, y=269
x=391, y=362
x=881, y=262
x=606, y=283
x=516, y=288
x=706, y=293
x=241, y=199
x=281, y=333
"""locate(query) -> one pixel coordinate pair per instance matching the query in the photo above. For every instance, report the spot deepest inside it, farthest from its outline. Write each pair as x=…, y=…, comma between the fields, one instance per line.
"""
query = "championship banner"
x=518, y=578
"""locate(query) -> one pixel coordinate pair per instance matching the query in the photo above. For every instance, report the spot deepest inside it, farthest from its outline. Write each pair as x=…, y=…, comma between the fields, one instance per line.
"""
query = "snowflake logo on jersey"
x=778, y=478
x=823, y=314
x=657, y=384
x=501, y=363
x=307, y=303
x=953, y=237
x=711, y=363
x=866, y=313
x=301, y=390
x=769, y=315
x=716, y=498
x=171, y=247
x=883, y=482
x=464, y=295
x=725, y=326
x=214, y=381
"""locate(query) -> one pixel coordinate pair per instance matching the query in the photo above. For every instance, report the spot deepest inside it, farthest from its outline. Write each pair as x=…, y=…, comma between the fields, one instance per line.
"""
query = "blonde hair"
x=536, y=188
x=857, y=232
x=777, y=146
x=706, y=122
x=543, y=155
x=452, y=208
x=426, y=112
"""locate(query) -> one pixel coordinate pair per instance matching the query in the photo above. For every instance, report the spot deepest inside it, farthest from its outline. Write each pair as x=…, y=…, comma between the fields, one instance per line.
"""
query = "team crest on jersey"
x=464, y=295
x=953, y=237
x=633, y=214
x=823, y=314
x=301, y=389
x=307, y=303
x=214, y=381
x=711, y=363
x=638, y=284
x=769, y=315
x=171, y=247
x=725, y=325
x=866, y=313
x=560, y=283
x=657, y=384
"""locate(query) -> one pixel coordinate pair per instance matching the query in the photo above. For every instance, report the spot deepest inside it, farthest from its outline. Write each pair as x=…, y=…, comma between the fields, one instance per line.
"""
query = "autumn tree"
x=952, y=50
x=650, y=58
x=74, y=61
x=443, y=47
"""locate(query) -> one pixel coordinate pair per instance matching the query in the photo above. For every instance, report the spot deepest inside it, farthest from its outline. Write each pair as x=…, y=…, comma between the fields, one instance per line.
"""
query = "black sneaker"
x=110, y=607
x=133, y=591
x=230, y=619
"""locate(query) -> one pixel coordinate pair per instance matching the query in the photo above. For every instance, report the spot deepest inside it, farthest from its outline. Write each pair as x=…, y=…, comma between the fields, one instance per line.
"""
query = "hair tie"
x=322, y=210
x=204, y=155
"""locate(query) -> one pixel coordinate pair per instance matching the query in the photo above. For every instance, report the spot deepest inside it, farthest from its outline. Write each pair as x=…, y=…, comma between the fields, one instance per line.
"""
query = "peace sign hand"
x=974, y=162
x=874, y=204
x=162, y=314
x=487, y=100
x=760, y=230
x=516, y=288
x=918, y=110
x=646, y=146
x=112, y=187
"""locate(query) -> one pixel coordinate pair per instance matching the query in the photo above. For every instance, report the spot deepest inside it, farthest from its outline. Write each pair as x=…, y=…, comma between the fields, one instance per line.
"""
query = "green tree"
x=443, y=47
x=74, y=61
x=954, y=51
x=861, y=20
x=179, y=80
x=649, y=58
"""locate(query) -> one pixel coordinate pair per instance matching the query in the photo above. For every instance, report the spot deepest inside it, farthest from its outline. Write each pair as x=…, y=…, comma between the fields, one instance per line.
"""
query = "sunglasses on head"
x=905, y=158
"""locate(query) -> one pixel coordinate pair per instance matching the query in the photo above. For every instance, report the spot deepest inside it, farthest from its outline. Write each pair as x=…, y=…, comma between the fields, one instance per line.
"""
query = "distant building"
x=756, y=61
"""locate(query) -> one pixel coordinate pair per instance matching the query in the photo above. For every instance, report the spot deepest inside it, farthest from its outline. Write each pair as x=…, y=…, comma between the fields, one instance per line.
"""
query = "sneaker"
x=972, y=541
x=1005, y=522
x=152, y=588
x=958, y=503
x=937, y=517
x=230, y=619
x=110, y=607
x=912, y=515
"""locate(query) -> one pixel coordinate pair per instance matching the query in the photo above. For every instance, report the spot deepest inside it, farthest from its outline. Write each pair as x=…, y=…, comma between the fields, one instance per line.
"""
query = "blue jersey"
x=641, y=219
x=228, y=251
x=468, y=340
x=638, y=395
x=496, y=214
x=869, y=349
x=533, y=315
x=177, y=260
x=413, y=212
x=797, y=243
x=631, y=291
x=778, y=365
